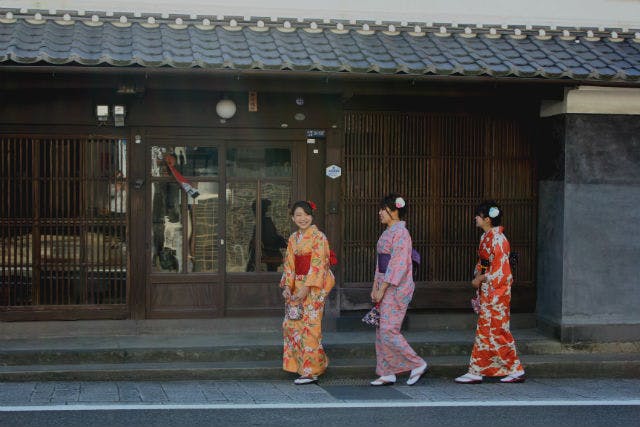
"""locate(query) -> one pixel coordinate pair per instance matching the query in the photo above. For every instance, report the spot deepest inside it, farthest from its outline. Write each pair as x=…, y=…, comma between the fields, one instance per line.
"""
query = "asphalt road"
x=524, y=414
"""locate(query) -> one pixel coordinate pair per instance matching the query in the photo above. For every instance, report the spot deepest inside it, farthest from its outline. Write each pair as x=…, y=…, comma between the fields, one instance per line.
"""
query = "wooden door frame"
x=299, y=191
x=223, y=139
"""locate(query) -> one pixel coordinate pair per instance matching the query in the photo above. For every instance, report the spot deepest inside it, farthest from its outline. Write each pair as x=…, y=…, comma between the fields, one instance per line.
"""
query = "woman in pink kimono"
x=393, y=289
x=494, y=351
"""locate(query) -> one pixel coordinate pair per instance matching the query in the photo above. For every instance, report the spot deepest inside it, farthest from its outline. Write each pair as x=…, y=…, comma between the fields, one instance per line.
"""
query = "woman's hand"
x=376, y=296
x=477, y=281
x=378, y=292
x=373, y=294
x=286, y=293
x=301, y=294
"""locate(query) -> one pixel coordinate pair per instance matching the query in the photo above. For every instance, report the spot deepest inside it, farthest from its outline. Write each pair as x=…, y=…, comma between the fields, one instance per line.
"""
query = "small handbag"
x=372, y=317
x=293, y=311
x=475, y=303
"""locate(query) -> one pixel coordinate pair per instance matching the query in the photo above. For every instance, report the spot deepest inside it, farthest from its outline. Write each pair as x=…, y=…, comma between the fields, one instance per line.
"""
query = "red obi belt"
x=303, y=264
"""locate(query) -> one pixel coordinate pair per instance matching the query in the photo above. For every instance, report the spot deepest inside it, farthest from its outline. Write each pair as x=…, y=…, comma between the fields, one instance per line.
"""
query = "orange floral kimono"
x=306, y=264
x=494, y=350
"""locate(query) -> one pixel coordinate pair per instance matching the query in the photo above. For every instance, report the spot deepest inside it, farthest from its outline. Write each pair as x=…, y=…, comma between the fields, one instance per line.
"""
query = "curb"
x=612, y=366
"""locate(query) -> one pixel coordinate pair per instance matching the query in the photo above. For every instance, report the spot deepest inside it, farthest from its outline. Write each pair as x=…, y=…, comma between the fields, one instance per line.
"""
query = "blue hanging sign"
x=316, y=133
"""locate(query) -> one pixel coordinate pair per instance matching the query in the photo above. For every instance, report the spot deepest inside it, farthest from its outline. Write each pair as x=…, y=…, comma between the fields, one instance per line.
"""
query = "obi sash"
x=383, y=262
x=303, y=264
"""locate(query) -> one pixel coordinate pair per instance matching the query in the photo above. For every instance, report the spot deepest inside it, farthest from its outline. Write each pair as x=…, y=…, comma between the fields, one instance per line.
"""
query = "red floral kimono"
x=494, y=350
x=306, y=264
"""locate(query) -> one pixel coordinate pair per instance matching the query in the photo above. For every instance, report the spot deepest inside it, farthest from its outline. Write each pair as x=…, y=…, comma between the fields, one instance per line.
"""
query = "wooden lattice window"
x=63, y=227
x=444, y=165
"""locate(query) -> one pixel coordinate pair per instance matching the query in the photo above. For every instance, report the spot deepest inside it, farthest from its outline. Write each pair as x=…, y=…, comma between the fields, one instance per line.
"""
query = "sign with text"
x=253, y=102
x=316, y=133
x=334, y=171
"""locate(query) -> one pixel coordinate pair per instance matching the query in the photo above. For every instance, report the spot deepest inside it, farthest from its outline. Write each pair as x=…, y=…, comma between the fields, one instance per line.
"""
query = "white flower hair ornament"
x=494, y=212
x=400, y=203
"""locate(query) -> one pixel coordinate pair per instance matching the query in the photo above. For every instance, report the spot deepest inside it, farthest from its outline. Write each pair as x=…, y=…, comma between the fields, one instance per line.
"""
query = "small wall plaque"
x=253, y=102
x=334, y=171
x=316, y=133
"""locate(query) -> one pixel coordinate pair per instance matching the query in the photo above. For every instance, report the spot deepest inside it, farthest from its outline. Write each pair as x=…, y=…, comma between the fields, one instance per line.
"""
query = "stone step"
x=417, y=322
x=349, y=322
x=239, y=347
x=541, y=366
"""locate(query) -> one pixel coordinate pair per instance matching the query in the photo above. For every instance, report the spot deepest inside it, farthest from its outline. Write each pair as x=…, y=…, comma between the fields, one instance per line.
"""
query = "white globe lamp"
x=225, y=108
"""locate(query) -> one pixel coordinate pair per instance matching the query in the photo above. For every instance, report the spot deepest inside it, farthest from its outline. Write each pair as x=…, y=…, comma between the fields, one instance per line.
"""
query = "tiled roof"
x=586, y=55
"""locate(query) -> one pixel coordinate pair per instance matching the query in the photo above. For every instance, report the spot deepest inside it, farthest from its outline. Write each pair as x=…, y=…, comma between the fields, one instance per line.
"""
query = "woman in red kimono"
x=494, y=350
x=306, y=282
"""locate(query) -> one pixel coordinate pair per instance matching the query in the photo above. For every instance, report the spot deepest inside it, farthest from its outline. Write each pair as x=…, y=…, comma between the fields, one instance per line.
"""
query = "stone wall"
x=589, y=227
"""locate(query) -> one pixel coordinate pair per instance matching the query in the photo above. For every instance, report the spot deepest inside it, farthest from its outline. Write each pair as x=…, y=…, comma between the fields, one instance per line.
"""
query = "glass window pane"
x=203, y=228
x=276, y=226
x=240, y=225
x=166, y=230
x=198, y=161
x=189, y=161
x=259, y=162
x=158, y=165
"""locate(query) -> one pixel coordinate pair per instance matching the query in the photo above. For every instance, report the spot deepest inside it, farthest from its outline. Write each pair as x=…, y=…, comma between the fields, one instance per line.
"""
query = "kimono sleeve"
x=289, y=273
x=477, y=269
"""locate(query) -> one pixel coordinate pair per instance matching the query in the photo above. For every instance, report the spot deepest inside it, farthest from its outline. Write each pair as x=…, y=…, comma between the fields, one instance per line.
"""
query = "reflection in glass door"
x=253, y=174
x=184, y=229
x=246, y=188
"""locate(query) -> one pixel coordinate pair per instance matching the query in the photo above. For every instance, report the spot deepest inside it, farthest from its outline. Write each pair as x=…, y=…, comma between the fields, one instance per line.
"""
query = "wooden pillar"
x=138, y=239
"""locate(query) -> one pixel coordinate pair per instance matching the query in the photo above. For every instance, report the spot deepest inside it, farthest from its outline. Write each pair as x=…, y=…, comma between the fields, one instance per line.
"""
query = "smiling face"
x=302, y=219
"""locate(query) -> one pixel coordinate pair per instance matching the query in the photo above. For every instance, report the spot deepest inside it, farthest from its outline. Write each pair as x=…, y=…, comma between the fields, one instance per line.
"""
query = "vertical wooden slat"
x=445, y=164
x=49, y=227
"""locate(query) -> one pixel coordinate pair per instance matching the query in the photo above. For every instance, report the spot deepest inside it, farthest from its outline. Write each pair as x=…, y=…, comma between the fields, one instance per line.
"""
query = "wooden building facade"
x=96, y=224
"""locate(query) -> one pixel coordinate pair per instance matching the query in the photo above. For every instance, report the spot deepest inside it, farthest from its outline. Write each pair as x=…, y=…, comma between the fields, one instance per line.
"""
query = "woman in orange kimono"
x=494, y=350
x=306, y=282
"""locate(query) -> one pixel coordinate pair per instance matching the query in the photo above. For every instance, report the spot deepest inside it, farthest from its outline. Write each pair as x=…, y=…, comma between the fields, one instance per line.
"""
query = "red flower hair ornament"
x=311, y=205
x=333, y=259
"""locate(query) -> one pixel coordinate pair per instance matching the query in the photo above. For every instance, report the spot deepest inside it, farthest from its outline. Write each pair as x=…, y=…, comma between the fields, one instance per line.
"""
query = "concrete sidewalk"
x=429, y=389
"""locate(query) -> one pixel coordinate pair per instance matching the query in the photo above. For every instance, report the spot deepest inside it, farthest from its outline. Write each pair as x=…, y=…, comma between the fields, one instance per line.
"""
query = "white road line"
x=369, y=404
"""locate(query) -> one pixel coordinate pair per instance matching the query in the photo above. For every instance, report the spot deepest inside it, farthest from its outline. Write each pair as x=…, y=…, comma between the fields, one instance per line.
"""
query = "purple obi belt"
x=383, y=260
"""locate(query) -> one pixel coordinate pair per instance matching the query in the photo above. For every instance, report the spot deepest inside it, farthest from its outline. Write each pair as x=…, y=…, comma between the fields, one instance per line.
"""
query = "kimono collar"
x=397, y=225
x=492, y=231
x=312, y=228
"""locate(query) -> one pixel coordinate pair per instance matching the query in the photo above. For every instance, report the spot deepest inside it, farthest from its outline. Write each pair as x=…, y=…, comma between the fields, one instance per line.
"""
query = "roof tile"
x=24, y=42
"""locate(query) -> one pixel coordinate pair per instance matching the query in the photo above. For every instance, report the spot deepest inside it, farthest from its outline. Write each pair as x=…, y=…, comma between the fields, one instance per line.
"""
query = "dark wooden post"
x=333, y=221
x=138, y=244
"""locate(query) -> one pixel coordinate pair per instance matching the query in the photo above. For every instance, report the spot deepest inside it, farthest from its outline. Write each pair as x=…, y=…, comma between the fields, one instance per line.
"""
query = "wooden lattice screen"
x=63, y=236
x=444, y=165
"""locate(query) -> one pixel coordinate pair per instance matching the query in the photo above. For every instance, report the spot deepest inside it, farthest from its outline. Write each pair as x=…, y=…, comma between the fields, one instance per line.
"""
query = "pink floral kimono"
x=393, y=353
x=307, y=264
